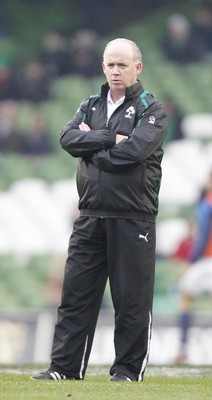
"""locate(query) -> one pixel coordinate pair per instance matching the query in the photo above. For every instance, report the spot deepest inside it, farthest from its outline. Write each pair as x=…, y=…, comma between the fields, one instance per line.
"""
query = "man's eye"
x=119, y=66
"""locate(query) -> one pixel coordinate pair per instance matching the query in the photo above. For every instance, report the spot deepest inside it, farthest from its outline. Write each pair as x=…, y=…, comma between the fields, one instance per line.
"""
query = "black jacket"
x=120, y=180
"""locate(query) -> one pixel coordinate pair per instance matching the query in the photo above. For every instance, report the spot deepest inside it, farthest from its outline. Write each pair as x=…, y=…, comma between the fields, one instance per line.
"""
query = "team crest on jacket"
x=129, y=112
x=151, y=119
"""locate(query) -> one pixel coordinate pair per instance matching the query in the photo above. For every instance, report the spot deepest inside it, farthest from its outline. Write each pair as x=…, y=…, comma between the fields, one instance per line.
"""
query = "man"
x=117, y=136
x=197, y=279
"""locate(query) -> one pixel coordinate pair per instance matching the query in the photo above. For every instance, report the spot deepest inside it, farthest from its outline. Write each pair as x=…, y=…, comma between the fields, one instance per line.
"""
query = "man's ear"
x=139, y=68
x=103, y=67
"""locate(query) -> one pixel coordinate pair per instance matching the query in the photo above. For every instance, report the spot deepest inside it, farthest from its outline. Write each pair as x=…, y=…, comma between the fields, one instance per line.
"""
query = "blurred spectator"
x=33, y=82
x=55, y=53
x=197, y=278
x=203, y=28
x=7, y=85
x=85, y=54
x=183, y=249
x=10, y=138
x=174, y=119
x=37, y=141
x=4, y=24
x=101, y=18
x=178, y=43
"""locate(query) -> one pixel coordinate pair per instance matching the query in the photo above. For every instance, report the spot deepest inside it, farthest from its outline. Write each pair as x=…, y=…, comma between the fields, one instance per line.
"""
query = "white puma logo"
x=143, y=236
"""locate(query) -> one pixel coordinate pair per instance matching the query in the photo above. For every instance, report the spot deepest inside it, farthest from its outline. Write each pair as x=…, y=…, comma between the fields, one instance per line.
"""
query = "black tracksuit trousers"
x=122, y=250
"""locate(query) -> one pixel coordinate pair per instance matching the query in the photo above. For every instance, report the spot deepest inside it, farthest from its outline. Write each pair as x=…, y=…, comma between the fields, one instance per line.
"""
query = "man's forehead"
x=119, y=53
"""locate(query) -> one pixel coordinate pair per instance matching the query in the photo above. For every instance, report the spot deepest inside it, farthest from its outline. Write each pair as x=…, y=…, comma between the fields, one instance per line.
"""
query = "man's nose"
x=115, y=70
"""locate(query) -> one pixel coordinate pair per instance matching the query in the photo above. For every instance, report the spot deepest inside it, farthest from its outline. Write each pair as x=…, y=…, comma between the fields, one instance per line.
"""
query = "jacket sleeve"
x=147, y=136
x=83, y=144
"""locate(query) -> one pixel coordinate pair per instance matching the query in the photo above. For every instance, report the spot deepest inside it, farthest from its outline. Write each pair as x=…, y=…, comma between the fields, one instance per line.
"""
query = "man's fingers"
x=84, y=127
x=120, y=137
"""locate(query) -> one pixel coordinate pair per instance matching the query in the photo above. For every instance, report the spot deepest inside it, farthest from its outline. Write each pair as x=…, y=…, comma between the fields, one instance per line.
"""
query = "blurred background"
x=50, y=60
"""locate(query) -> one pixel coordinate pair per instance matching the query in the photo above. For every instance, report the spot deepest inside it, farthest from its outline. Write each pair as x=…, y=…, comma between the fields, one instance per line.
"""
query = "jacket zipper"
x=100, y=173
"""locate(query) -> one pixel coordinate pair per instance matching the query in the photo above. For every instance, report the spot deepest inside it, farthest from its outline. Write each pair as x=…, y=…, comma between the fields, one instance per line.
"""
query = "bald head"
x=124, y=44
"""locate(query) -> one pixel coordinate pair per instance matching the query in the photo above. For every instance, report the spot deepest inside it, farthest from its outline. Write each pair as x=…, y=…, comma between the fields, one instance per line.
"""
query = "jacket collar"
x=131, y=91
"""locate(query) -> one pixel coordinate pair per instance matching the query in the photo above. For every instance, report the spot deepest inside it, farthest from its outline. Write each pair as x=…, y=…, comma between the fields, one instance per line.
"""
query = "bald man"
x=117, y=136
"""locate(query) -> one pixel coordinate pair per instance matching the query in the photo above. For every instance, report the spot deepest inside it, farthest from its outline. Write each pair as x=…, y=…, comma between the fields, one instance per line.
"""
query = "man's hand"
x=84, y=127
x=120, y=137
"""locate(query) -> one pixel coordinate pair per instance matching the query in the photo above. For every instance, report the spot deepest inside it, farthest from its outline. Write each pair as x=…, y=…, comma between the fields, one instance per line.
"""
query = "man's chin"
x=117, y=87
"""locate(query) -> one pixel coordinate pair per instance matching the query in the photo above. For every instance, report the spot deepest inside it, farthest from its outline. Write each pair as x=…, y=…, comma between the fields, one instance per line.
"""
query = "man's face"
x=120, y=67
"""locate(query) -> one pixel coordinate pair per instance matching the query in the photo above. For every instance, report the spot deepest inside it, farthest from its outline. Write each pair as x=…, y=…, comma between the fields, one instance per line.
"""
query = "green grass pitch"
x=161, y=383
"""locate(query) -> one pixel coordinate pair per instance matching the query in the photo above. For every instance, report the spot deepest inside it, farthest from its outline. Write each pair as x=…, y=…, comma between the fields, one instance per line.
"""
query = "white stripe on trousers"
x=83, y=358
x=144, y=364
